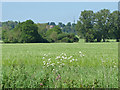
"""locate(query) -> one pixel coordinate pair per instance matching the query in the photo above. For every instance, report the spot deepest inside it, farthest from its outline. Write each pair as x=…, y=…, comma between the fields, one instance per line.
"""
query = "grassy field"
x=60, y=65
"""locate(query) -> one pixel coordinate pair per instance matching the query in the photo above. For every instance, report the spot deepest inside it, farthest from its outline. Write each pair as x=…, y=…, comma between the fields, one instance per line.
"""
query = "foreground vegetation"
x=60, y=65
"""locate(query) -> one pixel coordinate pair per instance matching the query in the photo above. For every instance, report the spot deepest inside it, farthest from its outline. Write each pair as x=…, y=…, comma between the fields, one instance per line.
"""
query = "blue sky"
x=43, y=12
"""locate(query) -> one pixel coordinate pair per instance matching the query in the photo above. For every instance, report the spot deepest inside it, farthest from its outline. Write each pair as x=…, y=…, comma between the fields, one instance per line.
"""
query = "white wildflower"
x=43, y=58
x=57, y=57
x=65, y=58
x=53, y=70
x=44, y=54
x=43, y=61
x=47, y=65
x=61, y=54
x=80, y=52
x=70, y=57
x=63, y=64
x=70, y=60
x=64, y=54
x=73, y=59
x=52, y=64
x=49, y=59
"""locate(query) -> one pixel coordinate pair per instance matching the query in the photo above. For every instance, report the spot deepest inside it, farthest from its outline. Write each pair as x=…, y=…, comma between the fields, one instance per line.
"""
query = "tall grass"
x=60, y=65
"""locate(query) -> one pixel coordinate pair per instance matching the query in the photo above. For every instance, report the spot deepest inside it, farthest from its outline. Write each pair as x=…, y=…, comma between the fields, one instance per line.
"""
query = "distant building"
x=50, y=26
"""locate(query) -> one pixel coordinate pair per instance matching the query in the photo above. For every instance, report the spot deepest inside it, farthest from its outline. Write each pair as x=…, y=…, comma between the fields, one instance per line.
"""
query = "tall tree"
x=73, y=30
x=29, y=32
x=114, y=25
x=67, y=28
x=85, y=24
x=52, y=33
x=52, y=23
x=102, y=23
x=42, y=29
x=60, y=24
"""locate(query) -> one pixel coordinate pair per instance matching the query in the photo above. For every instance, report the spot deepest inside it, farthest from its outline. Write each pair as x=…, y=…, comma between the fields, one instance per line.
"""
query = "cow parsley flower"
x=43, y=58
x=73, y=59
x=70, y=60
x=49, y=59
x=53, y=64
x=80, y=52
x=70, y=57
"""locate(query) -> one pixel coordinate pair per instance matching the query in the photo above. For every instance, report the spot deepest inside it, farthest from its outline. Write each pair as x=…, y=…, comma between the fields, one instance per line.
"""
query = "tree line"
x=93, y=27
x=99, y=26
x=30, y=32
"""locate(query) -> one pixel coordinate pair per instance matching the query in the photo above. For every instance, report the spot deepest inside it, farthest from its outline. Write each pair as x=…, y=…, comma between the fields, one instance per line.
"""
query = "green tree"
x=60, y=24
x=85, y=25
x=73, y=29
x=6, y=30
x=29, y=32
x=51, y=32
x=102, y=23
x=53, y=36
x=9, y=25
x=54, y=29
x=67, y=28
x=114, y=25
x=42, y=29
x=52, y=23
x=25, y=32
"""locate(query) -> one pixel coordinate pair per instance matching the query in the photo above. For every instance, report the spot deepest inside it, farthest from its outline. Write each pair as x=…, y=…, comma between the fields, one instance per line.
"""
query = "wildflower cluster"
x=60, y=60
x=113, y=63
x=47, y=62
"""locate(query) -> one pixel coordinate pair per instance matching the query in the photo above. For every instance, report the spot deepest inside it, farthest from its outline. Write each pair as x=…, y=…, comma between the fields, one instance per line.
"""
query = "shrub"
x=67, y=40
x=76, y=39
x=61, y=36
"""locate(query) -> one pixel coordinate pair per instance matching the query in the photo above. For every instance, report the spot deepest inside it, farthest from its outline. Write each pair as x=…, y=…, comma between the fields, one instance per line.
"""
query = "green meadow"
x=60, y=65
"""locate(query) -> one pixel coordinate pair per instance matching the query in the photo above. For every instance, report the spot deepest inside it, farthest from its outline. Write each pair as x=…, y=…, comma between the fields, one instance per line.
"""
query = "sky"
x=43, y=12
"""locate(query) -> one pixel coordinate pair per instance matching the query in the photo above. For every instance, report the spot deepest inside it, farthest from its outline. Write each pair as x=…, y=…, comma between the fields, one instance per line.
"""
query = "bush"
x=61, y=36
x=76, y=39
x=67, y=40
